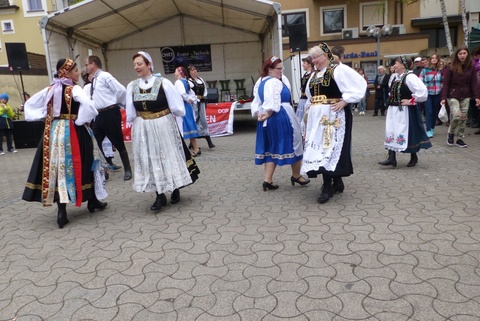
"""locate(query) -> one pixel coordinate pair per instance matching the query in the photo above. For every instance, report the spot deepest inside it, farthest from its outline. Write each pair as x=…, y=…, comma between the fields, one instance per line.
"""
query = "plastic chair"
x=240, y=87
x=225, y=89
x=212, y=83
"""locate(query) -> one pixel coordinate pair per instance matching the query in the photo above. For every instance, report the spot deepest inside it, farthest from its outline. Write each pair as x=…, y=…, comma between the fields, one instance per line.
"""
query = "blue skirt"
x=190, y=129
x=274, y=142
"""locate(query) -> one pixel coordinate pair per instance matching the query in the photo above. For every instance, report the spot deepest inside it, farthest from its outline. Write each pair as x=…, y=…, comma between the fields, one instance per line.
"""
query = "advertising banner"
x=126, y=127
x=198, y=55
x=220, y=119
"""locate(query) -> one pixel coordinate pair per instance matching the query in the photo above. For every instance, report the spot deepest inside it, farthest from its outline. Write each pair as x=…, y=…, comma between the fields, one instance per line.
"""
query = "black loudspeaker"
x=297, y=37
x=212, y=96
x=27, y=134
x=17, y=55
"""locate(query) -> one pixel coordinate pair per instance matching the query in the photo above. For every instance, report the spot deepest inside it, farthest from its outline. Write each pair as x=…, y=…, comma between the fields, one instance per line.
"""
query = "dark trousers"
x=109, y=124
x=379, y=102
x=8, y=133
x=432, y=106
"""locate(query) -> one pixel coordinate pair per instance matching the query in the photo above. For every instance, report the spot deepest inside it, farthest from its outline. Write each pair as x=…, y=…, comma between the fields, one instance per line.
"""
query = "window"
x=332, y=19
x=370, y=69
x=7, y=26
x=437, y=39
x=373, y=14
x=293, y=18
x=35, y=5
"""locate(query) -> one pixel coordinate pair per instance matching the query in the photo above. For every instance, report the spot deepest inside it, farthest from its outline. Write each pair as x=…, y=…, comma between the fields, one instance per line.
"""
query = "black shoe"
x=62, y=215
x=391, y=160
x=477, y=132
x=269, y=186
x=160, y=201
x=297, y=180
x=413, y=160
x=374, y=114
x=337, y=186
x=197, y=153
x=209, y=142
x=175, y=197
x=96, y=204
x=128, y=175
x=461, y=144
x=383, y=114
x=450, y=140
x=326, y=194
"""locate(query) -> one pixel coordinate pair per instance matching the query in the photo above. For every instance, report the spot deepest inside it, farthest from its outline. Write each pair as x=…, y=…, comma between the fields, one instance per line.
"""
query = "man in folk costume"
x=328, y=139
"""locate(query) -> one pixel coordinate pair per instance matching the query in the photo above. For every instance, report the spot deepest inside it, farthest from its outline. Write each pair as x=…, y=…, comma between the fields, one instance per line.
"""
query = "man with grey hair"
x=381, y=90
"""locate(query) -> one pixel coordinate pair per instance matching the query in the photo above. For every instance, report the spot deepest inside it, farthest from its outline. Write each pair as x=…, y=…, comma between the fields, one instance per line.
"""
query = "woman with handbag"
x=432, y=78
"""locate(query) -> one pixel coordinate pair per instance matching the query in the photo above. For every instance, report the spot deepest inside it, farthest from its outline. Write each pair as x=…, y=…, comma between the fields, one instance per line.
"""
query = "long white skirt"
x=323, y=143
x=159, y=159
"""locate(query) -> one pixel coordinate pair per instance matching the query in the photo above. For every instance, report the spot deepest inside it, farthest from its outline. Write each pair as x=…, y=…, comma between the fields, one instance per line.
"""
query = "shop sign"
x=363, y=54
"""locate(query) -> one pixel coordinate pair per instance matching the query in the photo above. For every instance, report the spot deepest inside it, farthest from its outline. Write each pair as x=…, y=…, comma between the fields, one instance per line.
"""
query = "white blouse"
x=271, y=95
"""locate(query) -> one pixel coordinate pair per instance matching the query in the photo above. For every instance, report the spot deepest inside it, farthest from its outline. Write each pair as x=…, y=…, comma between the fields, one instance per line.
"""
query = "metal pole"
x=23, y=88
x=378, y=50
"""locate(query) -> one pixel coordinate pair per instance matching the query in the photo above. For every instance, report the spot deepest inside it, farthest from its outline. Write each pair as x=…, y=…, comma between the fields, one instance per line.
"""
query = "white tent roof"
x=106, y=21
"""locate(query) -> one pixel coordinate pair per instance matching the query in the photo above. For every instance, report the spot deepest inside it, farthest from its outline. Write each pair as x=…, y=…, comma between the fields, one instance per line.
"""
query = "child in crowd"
x=6, y=124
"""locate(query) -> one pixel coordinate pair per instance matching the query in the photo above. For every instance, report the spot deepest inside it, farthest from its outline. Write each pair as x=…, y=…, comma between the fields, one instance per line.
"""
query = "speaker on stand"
x=17, y=60
x=297, y=38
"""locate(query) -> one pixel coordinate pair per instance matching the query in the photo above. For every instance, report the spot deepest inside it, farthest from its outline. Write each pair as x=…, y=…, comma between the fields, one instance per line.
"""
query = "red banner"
x=126, y=128
x=220, y=119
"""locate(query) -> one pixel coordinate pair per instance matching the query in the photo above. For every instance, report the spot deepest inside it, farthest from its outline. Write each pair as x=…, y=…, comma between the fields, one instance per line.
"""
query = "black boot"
x=413, y=160
x=62, y=215
x=209, y=141
x=126, y=165
x=175, y=197
x=94, y=203
x=391, y=160
x=337, y=186
x=327, y=191
x=160, y=201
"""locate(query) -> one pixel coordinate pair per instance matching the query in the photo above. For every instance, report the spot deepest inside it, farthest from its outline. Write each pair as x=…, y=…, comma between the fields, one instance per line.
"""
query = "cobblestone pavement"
x=398, y=244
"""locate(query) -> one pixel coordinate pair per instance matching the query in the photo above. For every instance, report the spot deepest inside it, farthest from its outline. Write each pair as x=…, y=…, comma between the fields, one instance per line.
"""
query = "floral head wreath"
x=66, y=67
x=326, y=50
x=404, y=61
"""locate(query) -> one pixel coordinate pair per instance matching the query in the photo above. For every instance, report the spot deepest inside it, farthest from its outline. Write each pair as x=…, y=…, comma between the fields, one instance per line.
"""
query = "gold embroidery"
x=328, y=130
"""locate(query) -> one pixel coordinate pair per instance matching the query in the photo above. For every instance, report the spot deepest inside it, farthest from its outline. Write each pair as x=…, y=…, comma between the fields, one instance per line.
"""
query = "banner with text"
x=198, y=55
x=220, y=119
x=126, y=127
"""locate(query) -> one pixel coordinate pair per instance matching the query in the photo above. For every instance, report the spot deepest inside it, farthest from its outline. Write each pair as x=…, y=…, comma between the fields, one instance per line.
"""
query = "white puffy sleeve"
x=351, y=83
x=256, y=103
x=181, y=89
x=36, y=107
x=417, y=87
x=86, y=111
x=174, y=98
x=129, y=108
x=272, y=95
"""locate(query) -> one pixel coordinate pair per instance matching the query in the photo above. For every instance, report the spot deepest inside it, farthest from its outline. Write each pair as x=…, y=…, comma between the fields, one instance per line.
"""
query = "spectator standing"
x=433, y=79
x=108, y=96
x=6, y=124
x=381, y=90
x=460, y=83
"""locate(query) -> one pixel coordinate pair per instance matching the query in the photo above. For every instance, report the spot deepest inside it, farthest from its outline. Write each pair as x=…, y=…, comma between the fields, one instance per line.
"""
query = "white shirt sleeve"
x=181, y=89
x=417, y=87
x=256, y=103
x=205, y=92
x=272, y=95
x=35, y=107
x=351, y=83
x=86, y=111
x=130, y=109
x=117, y=88
x=174, y=99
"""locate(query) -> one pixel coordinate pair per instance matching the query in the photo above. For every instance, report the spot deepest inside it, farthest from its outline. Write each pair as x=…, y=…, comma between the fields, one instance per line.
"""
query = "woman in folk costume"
x=199, y=87
x=404, y=131
x=190, y=129
x=64, y=166
x=328, y=139
x=162, y=160
x=308, y=67
x=279, y=140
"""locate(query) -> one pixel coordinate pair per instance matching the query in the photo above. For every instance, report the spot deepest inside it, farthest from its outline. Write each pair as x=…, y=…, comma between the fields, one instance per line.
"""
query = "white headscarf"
x=148, y=57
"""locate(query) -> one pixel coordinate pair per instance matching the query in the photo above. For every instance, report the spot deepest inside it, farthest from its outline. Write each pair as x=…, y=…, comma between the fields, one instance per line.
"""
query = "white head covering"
x=146, y=55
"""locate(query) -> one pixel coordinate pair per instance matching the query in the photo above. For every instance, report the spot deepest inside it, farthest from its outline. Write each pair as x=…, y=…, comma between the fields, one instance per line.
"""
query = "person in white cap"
x=418, y=66
x=162, y=161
